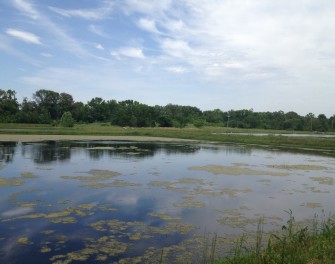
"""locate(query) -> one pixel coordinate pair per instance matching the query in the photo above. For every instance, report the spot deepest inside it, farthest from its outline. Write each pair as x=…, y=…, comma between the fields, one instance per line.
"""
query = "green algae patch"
x=312, y=205
x=64, y=220
x=190, y=181
x=105, y=207
x=166, y=184
x=298, y=167
x=28, y=175
x=24, y=241
x=232, y=193
x=101, y=248
x=234, y=170
x=316, y=190
x=45, y=250
x=102, y=148
x=164, y=216
x=10, y=182
x=63, y=216
x=111, y=184
x=189, y=203
x=324, y=180
x=95, y=176
x=139, y=230
x=47, y=232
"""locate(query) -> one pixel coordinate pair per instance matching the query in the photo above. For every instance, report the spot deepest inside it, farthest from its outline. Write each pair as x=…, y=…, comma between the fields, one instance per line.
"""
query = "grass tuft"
x=312, y=245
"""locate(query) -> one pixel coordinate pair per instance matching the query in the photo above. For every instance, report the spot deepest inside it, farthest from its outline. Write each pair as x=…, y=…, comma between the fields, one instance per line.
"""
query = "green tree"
x=67, y=120
x=47, y=104
x=9, y=107
x=28, y=112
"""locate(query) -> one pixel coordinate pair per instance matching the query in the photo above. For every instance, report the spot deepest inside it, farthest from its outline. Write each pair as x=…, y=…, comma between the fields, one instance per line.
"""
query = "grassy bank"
x=214, y=134
x=309, y=245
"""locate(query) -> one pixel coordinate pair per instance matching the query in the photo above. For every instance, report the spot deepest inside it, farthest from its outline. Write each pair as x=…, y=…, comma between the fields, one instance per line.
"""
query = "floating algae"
x=312, y=205
x=45, y=250
x=101, y=248
x=64, y=220
x=190, y=181
x=298, y=167
x=24, y=241
x=232, y=193
x=316, y=190
x=164, y=216
x=324, y=180
x=10, y=182
x=189, y=203
x=96, y=176
x=17, y=181
x=28, y=175
x=235, y=170
x=47, y=232
x=102, y=148
x=111, y=184
x=58, y=216
x=139, y=230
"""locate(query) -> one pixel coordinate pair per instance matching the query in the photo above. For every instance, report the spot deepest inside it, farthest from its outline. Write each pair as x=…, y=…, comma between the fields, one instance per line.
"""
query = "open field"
x=20, y=132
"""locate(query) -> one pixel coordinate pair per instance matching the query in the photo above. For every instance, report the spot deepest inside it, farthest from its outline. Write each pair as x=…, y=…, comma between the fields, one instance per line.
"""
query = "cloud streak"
x=24, y=36
x=99, y=13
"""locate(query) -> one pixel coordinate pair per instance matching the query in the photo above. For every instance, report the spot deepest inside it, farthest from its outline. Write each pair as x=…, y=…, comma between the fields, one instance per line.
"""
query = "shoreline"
x=39, y=138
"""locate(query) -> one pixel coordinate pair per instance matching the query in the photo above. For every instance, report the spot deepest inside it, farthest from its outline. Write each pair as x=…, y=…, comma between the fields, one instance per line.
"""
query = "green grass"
x=213, y=134
x=308, y=245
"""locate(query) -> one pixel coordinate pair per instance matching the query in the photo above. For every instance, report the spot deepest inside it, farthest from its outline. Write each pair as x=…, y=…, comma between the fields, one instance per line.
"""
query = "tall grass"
x=313, y=244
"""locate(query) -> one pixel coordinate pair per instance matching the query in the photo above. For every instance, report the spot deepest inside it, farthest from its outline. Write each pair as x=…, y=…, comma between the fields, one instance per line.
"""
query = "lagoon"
x=142, y=202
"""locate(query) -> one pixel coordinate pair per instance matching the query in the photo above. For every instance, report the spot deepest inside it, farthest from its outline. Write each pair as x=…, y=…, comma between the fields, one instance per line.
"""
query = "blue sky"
x=226, y=54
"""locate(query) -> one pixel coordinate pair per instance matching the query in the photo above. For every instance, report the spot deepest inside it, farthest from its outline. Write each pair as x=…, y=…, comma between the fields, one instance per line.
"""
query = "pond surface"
x=133, y=202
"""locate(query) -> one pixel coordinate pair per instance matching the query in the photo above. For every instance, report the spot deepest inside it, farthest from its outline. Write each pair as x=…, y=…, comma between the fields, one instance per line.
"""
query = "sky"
x=264, y=55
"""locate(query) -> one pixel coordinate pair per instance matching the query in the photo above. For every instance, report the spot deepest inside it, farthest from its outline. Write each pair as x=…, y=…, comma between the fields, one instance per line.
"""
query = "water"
x=126, y=202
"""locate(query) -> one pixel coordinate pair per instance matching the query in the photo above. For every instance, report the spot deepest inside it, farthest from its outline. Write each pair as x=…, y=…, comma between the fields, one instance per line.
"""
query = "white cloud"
x=98, y=30
x=176, y=69
x=148, y=25
x=99, y=46
x=177, y=48
x=47, y=55
x=65, y=41
x=147, y=6
x=130, y=52
x=27, y=8
x=24, y=36
x=99, y=13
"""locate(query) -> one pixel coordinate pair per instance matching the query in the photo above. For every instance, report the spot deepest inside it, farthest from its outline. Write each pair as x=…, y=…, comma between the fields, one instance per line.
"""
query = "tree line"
x=50, y=107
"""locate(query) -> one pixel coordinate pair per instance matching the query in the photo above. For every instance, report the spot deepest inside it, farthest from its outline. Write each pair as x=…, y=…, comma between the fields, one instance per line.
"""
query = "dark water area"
x=139, y=202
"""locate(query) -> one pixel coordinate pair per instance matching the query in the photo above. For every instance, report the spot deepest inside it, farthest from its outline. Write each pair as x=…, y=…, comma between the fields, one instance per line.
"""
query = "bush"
x=67, y=120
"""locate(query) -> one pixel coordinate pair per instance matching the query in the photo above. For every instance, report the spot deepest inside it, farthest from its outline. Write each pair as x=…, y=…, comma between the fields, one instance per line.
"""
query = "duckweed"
x=235, y=170
x=24, y=241
x=298, y=167
x=96, y=176
x=324, y=180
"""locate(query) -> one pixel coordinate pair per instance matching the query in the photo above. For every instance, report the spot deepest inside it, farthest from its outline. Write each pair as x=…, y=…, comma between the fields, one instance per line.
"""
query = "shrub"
x=67, y=120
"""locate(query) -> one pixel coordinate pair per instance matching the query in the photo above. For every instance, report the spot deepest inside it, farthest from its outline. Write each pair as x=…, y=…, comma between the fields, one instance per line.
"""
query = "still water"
x=134, y=202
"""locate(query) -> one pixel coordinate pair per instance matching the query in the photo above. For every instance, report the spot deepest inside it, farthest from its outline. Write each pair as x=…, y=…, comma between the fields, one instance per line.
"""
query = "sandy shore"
x=37, y=138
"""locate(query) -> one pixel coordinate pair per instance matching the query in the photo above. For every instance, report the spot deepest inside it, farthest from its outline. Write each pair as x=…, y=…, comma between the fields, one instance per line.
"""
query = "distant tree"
x=66, y=103
x=9, y=107
x=67, y=120
x=47, y=104
x=28, y=112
